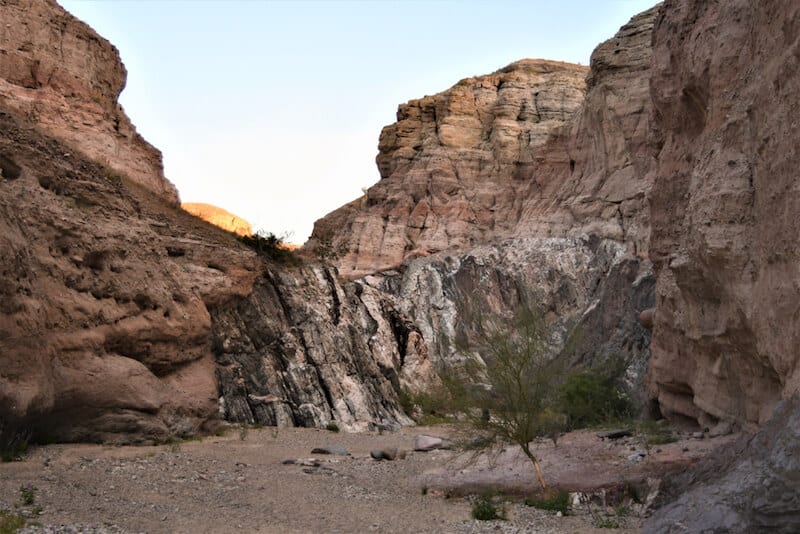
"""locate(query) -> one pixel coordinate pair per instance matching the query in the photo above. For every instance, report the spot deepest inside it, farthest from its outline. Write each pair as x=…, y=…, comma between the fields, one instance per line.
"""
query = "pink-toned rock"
x=450, y=166
x=61, y=75
x=725, y=202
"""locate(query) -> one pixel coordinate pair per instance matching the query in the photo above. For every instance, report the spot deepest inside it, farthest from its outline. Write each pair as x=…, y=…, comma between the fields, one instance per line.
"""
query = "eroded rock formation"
x=725, y=205
x=450, y=167
x=59, y=74
x=219, y=217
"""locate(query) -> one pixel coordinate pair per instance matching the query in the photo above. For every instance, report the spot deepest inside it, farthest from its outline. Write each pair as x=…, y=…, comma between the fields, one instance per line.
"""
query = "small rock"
x=614, y=434
x=330, y=450
x=424, y=443
x=698, y=435
x=723, y=428
x=377, y=454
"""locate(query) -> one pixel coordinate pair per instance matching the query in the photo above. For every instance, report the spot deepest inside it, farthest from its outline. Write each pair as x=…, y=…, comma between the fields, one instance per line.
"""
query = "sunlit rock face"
x=58, y=73
x=724, y=207
x=450, y=166
x=219, y=217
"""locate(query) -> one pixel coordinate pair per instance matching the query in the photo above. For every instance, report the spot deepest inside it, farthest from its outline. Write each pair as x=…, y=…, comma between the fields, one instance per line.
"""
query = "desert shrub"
x=555, y=501
x=10, y=522
x=595, y=396
x=484, y=509
x=332, y=426
x=27, y=495
x=269, y=245
x=655, y=433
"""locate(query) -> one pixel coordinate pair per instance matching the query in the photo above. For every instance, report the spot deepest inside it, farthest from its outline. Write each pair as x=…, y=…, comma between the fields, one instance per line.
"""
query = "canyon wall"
x=535, y=193
x=450, y=167
x=724, y=207
x=59, y=74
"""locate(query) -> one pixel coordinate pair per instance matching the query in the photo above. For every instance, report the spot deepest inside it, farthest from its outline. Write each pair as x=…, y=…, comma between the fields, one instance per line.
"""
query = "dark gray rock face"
x=752, y=485
x=303, y=350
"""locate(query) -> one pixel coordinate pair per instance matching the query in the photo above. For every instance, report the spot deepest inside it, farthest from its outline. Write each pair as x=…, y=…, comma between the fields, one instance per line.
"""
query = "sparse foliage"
x=508, y=390
x=555, y=501
x=484, y=509
x=595, y=396
x=271, y=246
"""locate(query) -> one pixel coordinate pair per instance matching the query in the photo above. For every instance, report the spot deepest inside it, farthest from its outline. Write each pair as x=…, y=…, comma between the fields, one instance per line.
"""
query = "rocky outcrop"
x=567, y=217
x=749, y=486
x=219, y=217
x=450, y=167
x=105, y=293
x=304, y=350
x=62, y=76
x=585, y=287
x=724, y=208
x=125, y=318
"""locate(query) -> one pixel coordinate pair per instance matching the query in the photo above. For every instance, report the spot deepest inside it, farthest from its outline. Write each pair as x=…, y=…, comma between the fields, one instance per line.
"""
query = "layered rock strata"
x=61, y=75
x=219, y=217
x=724, y=208
x=450, y=167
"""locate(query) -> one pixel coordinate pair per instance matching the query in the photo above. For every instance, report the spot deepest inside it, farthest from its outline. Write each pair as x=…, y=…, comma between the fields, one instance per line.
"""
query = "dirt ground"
x=240, y=483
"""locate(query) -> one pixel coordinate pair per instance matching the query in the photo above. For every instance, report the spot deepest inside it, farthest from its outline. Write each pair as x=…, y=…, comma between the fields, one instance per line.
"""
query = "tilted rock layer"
x=61, y=75
x=219, y=217
x=724, y=206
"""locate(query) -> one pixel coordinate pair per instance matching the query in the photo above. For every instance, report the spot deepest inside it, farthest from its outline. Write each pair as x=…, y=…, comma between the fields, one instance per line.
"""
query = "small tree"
x=508, y=392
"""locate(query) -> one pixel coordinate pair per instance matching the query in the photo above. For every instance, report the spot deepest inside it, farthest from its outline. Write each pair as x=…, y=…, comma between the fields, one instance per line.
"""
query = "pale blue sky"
x=272, y=109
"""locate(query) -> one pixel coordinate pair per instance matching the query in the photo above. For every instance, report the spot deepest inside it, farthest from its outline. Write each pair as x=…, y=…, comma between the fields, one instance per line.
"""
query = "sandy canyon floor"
x=240, y=482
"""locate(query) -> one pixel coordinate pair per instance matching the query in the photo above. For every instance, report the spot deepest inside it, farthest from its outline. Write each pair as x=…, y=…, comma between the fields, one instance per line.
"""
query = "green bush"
x=271, y=246
x=595, y=396
x=555, y=501
x=483, y=509
x=332, y=426
x=10, y=522
x=27, y=495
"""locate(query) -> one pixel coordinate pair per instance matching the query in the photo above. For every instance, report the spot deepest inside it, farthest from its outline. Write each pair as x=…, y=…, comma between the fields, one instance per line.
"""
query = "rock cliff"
x=219, y=217
x=450, y=167
x=552, y=179
x=62, y=76
x=724, y=208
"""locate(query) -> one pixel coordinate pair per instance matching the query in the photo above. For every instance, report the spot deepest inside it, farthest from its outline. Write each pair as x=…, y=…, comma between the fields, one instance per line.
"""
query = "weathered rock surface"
x=303, y=350
x=747, y=486
x=125, y=318
x=219, y=217
x=61, y=75
x=105, y=291
x=450, y=166
x=724, y=206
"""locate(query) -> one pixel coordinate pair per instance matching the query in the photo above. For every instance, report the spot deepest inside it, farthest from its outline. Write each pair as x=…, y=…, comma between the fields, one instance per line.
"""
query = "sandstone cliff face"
x=219, y=217
x=450, y=166
x=105, y=296
x=59, y=74
x=724, y=209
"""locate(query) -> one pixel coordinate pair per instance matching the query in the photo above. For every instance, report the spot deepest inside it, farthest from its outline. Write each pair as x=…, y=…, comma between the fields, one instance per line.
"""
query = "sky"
x=273, y=109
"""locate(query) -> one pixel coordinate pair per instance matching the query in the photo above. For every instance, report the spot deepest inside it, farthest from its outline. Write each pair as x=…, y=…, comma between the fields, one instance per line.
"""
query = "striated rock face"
x=450, y=166
x=587, y=288
x=304, y=349
x=62, y=76
x=724, y=206
x=219, y=217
